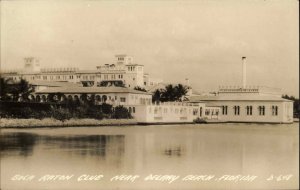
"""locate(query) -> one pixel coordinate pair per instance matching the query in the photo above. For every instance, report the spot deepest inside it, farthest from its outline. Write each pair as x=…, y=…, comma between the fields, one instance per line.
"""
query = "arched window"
x=44, y=98
x=104, y=98
x=70, y=97
x=76, y=99
x=63, y=98
x=98, y=98
x=38, y=98
x=31, y=98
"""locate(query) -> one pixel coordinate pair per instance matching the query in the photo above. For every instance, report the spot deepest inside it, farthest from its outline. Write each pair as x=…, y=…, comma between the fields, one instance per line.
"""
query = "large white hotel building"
x=230, y=104
x=123, y=72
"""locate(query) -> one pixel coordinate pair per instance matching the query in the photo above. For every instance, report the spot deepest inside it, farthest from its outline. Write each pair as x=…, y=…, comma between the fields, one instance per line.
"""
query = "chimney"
x=244, y=72
x=187, y=82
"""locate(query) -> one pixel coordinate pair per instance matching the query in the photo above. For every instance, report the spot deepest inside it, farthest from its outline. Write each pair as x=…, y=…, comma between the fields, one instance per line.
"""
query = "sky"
x=201, y=40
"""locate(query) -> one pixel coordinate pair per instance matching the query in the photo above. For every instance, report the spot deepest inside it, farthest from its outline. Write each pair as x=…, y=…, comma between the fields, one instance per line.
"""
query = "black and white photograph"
x=149, y=94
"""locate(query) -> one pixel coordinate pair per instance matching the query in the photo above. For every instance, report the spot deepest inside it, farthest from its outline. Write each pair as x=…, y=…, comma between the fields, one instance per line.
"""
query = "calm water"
x=179, y=150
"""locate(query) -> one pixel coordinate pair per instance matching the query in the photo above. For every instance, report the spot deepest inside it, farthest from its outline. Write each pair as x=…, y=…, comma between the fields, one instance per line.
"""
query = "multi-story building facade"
x=124, y=72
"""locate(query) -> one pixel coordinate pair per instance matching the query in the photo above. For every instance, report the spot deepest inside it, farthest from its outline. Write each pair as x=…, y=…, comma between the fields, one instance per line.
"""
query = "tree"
x=173, y=93
x=83, y=99
x=169, y=94
x=55, y=97
x=106, y=108
x=17, y=90
x=156, y=96
x=91, y=100
x=140, y=89
x=25, y=89
x=180, y=92
x=4, y=88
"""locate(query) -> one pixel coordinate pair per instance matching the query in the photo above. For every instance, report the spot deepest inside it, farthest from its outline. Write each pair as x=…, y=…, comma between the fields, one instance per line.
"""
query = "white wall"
x=285, y=111
x=167, y=113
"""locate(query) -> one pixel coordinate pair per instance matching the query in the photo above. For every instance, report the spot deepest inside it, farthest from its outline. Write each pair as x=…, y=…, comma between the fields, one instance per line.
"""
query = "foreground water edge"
x=214, y=156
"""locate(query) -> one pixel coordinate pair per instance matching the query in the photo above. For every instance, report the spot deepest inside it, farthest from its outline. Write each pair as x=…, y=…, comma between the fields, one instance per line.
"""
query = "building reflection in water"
x=17, y=144
x=142, y=151
x=23, y=144
x=173, y=151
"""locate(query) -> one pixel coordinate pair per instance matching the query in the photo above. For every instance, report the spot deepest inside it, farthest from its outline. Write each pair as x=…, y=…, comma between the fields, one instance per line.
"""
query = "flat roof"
x=88, y=71
x=134, y=64
x=237, y=98
x=53, y=83
x=92, y=90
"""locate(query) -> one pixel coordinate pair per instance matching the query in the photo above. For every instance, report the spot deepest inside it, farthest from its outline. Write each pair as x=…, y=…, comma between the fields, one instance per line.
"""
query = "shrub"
x=94, y=112
x=107, y=109
x=61, y=114
x=199, y=120
x=121, y=112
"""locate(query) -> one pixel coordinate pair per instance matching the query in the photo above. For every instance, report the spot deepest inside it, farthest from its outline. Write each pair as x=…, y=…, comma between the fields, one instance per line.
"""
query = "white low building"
x=173, y=112
x=170, y=112
x=250, y=104
x=110, y=95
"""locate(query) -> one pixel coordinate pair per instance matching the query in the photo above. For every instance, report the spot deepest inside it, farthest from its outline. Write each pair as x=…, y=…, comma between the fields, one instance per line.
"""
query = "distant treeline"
x=61, y=111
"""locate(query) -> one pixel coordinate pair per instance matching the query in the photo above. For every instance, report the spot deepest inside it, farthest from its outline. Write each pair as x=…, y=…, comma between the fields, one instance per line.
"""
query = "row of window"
x=57, y=77
x=66, y=77
x=212, y=112
x=160, y=110
x=131, y=68
x=249, y=110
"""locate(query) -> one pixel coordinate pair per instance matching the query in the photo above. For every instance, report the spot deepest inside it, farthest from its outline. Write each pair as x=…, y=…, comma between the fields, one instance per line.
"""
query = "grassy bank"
x=51, y=122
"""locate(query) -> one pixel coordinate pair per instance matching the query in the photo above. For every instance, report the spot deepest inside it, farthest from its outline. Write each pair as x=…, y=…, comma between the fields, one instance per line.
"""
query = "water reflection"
x=22, y=144
x=173, y=151
x=180, y=150
x=86, y=145
x=17, y=144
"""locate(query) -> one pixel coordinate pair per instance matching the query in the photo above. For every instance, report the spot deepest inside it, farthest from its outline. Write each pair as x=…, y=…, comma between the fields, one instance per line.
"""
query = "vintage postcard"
x=152, y=94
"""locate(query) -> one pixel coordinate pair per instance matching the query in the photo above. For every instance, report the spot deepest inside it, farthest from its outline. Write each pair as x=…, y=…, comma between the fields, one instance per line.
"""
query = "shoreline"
x=52, y=123
x=6, y=123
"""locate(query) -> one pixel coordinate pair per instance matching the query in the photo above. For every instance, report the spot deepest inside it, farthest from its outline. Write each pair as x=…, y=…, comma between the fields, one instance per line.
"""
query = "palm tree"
x=20, y=89
x=4, y=88
x=156, y=96
x=173, y=93
x=181, y=91
x=169, y=93
x=23, y=89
